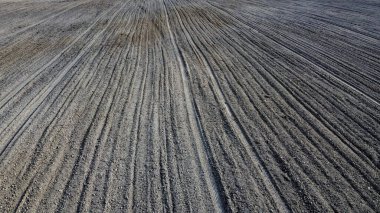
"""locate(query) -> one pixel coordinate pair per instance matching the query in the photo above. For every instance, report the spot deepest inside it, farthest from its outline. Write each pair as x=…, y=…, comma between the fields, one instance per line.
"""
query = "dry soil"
x=190, y=105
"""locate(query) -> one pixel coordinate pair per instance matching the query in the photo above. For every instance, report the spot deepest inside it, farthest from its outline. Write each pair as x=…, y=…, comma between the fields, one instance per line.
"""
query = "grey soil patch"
x=180, y=106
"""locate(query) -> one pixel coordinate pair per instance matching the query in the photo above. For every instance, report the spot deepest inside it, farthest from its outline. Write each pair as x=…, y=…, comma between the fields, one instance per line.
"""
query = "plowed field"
x=189, y=106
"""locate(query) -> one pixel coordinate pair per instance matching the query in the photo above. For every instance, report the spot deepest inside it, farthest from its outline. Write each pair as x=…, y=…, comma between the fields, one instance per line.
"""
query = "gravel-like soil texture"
x=189, y=106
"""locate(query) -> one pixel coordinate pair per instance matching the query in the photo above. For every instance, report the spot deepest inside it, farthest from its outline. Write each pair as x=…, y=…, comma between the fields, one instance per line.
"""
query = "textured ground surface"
x=201, y=105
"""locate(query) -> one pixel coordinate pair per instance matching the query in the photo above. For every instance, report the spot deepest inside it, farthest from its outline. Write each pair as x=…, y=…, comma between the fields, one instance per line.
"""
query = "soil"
x=189, y=106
